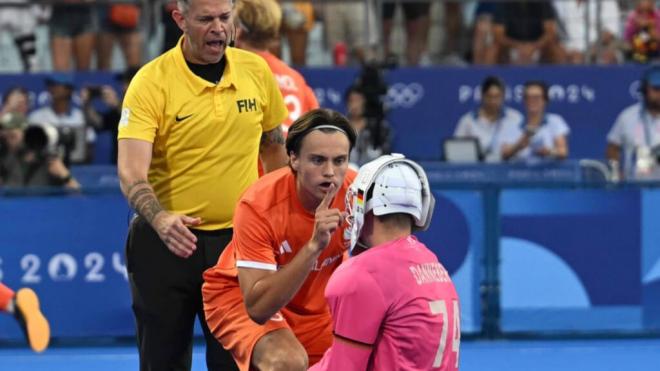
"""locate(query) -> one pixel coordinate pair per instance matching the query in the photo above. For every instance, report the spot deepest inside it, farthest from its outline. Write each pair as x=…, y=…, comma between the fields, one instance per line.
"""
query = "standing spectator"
x=191, y=125
x=483, y=50
x=603, y=43
x=392, y=298
x=490, y=121
x=541, y=135
x=68, y=119
x=454, y=40
x=172, y=31
x=352, y=25
x=636, y=131
x=526, y=33
x=298, y=21
x=20, y=22
x=373, y=134
x=417, y=28
x=72, y=34
x=257, y=28
x=642, y=32
x=24, y=306
x=119, y=22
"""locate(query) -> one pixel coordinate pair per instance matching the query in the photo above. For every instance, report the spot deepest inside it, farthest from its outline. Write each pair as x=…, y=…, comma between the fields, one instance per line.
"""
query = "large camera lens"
x=35, y=138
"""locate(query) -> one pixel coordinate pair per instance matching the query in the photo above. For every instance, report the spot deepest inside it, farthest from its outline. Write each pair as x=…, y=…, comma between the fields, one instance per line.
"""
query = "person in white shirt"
x=540, y=135
x=601, y=28
x=637, y=128
x=490, y=120
x=68, y=119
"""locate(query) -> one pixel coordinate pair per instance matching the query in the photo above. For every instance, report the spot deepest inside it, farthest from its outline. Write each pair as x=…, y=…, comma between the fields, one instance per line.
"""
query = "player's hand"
x=173, y=231
x=326, y=221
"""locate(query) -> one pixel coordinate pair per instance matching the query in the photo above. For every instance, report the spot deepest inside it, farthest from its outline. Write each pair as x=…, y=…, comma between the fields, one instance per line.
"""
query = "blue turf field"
x=528, y=355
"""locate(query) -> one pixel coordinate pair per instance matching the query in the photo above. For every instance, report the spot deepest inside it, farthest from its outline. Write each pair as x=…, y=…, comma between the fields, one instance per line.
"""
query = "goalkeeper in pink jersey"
x=393, y=305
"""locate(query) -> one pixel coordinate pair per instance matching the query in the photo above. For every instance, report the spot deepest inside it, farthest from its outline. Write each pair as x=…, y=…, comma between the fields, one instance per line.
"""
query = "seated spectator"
x=417, y=28
x=346, y=26
x=603, y=46
x=373, y=134
x=119, y=22
x=541, y=135
x=298, y=21
x=107, y=120
x=636, y=131
x=72, y=34
x=642, y=32
x=67, y=118
x=27, y=158
x=20, y=22
x=15, y=100
x=488, y=122
x=526, y=33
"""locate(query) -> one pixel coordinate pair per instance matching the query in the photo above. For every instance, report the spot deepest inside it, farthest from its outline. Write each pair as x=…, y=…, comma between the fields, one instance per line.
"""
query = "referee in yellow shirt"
x=194, y=122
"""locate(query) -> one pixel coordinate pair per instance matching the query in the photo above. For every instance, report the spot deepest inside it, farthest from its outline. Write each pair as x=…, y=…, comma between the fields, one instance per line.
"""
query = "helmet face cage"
x=357, y=204
x=355, y=215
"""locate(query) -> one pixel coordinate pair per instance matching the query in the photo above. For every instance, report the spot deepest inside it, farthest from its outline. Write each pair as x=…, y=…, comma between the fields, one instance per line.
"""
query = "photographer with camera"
x=106, y=120
x=27, y=155
x=366, y=114
x=77, y=139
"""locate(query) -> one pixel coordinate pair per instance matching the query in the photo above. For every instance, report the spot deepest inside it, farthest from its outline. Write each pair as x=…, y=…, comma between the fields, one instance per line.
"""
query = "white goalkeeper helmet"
x=399, y=186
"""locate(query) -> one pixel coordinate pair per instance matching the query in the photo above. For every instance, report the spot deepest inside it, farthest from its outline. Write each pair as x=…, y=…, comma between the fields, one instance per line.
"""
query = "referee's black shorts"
x=167, y=295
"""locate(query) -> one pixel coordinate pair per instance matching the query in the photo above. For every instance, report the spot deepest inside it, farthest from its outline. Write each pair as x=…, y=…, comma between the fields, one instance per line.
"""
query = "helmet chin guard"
x=399, y=186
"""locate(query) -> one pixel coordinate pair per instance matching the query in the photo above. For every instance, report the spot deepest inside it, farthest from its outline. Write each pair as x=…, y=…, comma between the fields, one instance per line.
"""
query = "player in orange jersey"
x=257, y=27
x=24, y=306
x=264, y=299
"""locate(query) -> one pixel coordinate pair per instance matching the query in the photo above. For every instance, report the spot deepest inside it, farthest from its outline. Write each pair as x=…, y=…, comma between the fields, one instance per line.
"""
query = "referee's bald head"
x=183, y=5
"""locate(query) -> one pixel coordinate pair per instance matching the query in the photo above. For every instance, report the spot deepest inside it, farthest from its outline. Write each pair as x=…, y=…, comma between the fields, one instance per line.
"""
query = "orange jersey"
x=270, y=227
x=298, y=96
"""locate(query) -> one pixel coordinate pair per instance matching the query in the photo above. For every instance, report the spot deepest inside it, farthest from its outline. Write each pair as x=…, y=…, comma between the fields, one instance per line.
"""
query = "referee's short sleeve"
x=141, y=110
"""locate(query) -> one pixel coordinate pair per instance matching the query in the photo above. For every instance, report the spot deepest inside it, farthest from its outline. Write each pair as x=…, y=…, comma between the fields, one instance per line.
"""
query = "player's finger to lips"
x=328, y=196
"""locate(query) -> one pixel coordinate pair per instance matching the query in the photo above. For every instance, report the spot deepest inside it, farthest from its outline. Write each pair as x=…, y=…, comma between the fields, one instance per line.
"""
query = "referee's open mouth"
x=215, y=45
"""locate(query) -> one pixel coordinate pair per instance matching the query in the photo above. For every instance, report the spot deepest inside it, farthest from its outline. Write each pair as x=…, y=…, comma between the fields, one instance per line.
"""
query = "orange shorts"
x=230, y=323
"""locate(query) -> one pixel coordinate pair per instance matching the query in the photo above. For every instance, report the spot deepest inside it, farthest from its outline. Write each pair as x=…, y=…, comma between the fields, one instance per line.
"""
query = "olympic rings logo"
x=402, y=95
x=634, y=89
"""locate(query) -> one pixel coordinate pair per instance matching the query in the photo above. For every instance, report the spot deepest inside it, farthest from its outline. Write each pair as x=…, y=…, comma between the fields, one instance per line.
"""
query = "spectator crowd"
x=82, y=33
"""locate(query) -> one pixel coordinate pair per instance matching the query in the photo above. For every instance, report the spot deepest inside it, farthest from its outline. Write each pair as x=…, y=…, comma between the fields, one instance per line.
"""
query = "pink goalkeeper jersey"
x=398, y=298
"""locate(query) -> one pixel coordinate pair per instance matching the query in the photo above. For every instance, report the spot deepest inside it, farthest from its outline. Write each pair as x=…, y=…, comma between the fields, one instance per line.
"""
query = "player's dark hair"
x=317, y=117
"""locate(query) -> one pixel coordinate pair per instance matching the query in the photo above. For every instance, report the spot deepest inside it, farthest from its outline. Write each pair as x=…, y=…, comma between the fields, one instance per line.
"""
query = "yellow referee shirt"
x=205, y=136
